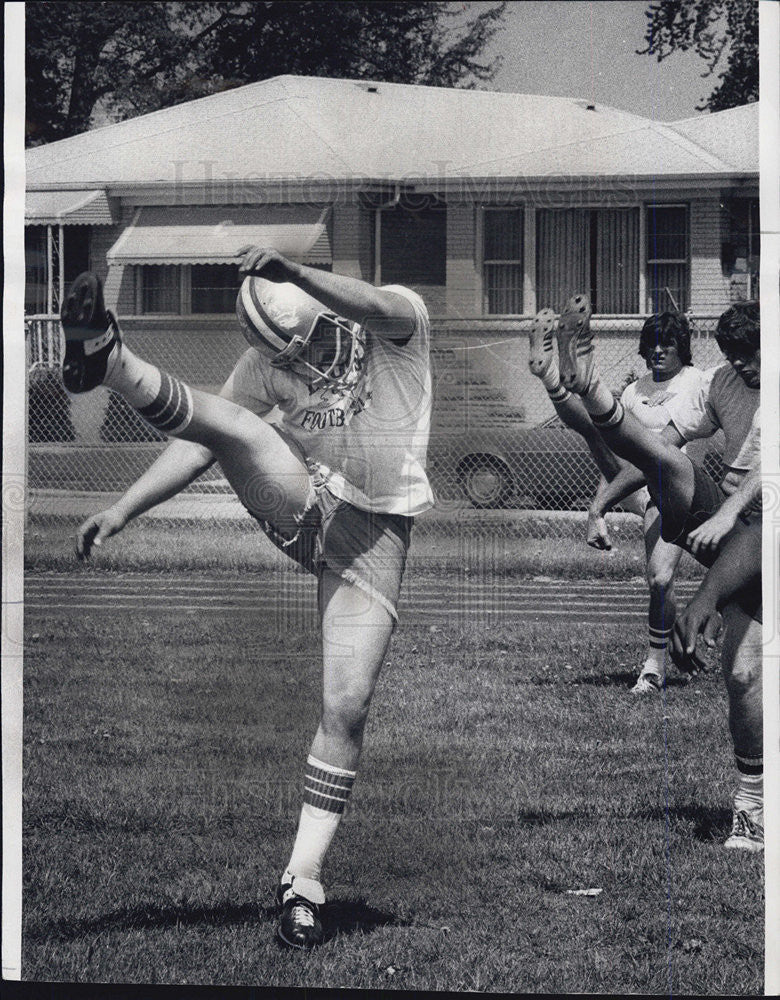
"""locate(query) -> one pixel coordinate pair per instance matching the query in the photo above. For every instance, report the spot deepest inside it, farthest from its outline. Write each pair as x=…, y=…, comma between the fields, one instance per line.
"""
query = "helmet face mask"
x=294, y=332
x=326, y=354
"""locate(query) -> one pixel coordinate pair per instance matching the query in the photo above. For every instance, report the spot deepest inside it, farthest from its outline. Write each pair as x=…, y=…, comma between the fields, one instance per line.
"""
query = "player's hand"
x=96, y=529
x=708, y=536
x=263, y=262
x=699, y=618
x=597, y=534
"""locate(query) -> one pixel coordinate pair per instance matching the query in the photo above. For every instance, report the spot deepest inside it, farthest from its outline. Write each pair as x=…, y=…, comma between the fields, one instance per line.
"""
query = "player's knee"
x=743, y=677
x=660, y=580
x=344, y=713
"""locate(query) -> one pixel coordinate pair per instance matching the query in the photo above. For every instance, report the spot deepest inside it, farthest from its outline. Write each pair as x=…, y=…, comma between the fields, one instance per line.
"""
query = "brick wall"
x=119, y=280
x=709, y=286
x=352, y=241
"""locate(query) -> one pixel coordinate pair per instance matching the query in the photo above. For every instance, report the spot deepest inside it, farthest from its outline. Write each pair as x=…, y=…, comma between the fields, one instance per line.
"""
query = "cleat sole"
x=540, y=342
x=575, y=345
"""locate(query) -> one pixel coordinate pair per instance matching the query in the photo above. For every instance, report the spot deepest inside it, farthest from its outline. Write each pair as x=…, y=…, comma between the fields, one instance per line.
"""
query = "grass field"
x=505, y=770
x=438, y=548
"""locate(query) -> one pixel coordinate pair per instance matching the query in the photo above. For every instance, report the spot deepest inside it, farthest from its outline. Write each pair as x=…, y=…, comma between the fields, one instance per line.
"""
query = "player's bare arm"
x=179, y=465
x=610, y=492
x=737, y=566
x=708, y=536
x=385, y=313
x=175, y=469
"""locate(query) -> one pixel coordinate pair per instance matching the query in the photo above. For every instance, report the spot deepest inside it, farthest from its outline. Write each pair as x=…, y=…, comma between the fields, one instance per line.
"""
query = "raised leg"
x=268, y=474
x=669, y=472
x=542, y=364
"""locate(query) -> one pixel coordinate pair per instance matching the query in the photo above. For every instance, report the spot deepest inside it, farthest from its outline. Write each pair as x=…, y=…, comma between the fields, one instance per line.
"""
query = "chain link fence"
x=498, y=455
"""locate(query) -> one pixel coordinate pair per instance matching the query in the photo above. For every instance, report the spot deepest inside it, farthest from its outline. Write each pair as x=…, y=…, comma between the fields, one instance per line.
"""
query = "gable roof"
x=302, y=127
x=732, y=135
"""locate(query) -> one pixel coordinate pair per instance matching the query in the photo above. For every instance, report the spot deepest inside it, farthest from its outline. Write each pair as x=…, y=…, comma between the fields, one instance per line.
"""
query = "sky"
x=573, y=48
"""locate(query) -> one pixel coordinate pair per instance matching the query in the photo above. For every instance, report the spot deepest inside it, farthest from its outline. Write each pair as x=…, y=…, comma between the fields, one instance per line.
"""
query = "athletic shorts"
x=365, y=548
x=707, y=498
x=748, y=599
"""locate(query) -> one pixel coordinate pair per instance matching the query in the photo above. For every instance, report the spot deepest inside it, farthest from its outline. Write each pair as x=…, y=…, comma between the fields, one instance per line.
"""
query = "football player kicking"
x=665, y=346
x=695, y=512
x=336, y=485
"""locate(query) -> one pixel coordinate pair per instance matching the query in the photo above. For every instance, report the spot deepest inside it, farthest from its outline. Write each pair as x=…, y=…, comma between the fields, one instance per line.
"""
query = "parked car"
x=548, y=467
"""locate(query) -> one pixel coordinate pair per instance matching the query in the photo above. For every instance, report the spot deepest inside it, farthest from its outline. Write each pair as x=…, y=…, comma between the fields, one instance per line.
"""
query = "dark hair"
x=739, y=329
x=666, y=328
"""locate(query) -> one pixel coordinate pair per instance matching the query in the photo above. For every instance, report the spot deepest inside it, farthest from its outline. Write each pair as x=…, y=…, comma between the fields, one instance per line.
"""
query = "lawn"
x=506, y=770
x=542, y=548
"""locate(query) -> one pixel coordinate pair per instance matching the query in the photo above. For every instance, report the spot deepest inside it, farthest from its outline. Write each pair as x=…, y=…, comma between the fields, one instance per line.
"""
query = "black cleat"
x=90, y=334
x=299, y=916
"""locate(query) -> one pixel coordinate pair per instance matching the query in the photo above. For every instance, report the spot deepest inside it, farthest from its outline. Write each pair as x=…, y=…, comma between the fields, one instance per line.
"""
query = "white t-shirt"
x=725, y=402
x=368, y=444
x=648, y=400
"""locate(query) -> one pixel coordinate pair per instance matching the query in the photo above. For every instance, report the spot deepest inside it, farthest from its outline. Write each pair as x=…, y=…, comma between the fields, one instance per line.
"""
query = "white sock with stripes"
x=658, y=640
x=162, y=400
x=325, y=796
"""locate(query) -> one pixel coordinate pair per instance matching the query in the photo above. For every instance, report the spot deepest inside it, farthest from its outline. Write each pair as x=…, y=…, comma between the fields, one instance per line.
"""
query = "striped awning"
x=68, y=208
x=206, y=234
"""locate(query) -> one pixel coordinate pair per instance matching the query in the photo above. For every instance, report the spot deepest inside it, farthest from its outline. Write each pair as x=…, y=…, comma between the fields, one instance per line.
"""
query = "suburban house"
x=491, y=205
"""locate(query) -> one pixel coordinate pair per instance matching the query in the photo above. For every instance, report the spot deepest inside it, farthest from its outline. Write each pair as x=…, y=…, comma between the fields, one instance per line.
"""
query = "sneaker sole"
x=540, y=342
x=78, y=311
x=574, y=342
x=650, y=689
x=742, y=844
x=292, y=944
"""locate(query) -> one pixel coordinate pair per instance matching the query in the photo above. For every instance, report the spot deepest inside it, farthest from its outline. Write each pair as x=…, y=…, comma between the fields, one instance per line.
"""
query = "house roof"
x=731, y=135
x=299, y=128
x=76, y=208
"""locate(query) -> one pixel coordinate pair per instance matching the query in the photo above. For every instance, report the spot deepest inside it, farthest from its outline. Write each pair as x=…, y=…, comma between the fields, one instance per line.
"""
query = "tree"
x=118, y=60
x=723, y=32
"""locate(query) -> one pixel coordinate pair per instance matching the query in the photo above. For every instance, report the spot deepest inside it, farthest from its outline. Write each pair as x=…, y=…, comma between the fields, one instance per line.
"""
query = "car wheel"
x=486, y=481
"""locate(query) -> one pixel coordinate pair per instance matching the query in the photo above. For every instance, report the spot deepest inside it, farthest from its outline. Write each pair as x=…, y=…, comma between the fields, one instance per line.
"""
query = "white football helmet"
x=295, y=331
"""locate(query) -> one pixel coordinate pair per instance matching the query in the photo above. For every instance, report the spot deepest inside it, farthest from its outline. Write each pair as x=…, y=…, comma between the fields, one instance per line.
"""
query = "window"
x=502, y=261
x=668, y=270
x=68, y=245
x=413, y=246
x=591, y=250
x=36, y=271
x=741, y=249
x=214, y=288
x=75, y=252
x=182, y=289
x=160, y=288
